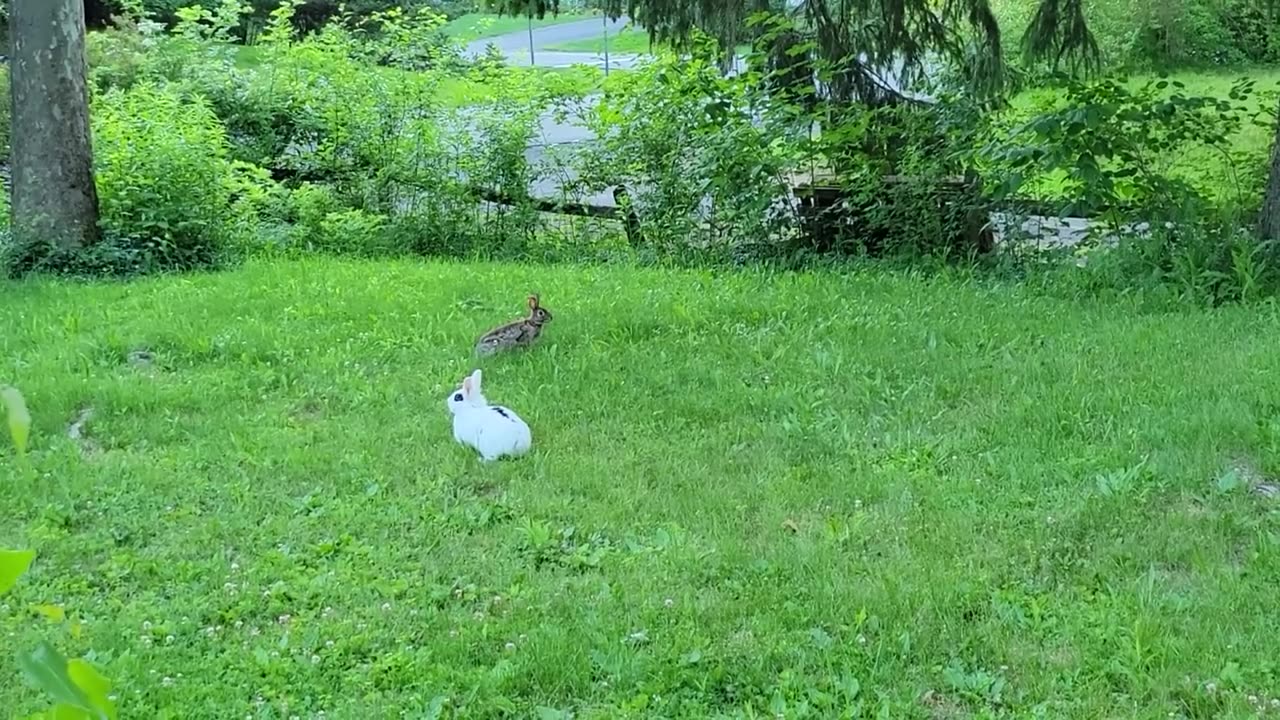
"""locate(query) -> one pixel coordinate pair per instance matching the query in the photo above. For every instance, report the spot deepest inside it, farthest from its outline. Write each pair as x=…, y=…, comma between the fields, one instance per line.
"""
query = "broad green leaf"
x=778, y=704
x=19, y=418
x=94, y=686
x=13, y=563
x=52, y=613
x=435, y=709
x=851, y=687
x=1230, y=481
x=47, y=670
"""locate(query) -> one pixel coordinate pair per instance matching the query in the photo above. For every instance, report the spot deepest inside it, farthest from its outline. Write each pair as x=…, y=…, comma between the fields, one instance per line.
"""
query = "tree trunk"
x=1269, y=225
x=55, y=201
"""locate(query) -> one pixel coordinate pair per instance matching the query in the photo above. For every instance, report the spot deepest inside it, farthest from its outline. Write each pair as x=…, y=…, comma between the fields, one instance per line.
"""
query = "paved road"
x=516, y=48
x=516, y=45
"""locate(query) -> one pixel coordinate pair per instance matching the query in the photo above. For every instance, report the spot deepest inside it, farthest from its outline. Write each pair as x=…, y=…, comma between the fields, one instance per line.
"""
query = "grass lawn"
x=628, y=41
x=474, y=26
x=812, y=495
x=454, y=90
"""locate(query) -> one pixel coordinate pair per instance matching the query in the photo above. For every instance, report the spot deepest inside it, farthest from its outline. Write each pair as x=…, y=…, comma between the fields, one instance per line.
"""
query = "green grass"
x=847, y=492
x=455, y=91
x=474, y=26
x=627, y=41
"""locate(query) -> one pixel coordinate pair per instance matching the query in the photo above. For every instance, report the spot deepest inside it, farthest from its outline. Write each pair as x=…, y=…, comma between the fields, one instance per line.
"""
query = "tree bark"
x=55, y=201
x=1269, y=223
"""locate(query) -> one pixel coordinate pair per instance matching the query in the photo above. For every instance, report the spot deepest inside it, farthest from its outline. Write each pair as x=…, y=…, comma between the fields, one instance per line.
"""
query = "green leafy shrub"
x=363, y=111
x=137, y=48
x=311, y=15
x=380, y=165
x=1103, y=145
x=317, y=221
x=707, y=178
x=907, y=177
x=1204, y=258
x=1188, y=32
x=171, y=198
x=1105, y=150
x=383, y=142
x=409, y=40
x=254, y=104
x=117, y=57
x=711, y=161
x=1254, y=28
x=79, y=691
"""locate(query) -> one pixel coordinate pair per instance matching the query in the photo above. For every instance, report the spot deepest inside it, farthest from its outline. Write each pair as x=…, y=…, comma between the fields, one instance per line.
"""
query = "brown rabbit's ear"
x=533, y=301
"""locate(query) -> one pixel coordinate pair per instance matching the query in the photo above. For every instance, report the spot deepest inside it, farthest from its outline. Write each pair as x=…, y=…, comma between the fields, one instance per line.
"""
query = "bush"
x=1104, y=146
x=711, y=161
x=117, y=58
x=411, y=41
x=1254, y=29
x=311, y=15
x=380, y=165
x=1211, y=259
x=394, y=164
x=707, y=179
x=907, y=181
x=170, y=197
x=1105, y=151
x=317, y=221
x=1188, y=32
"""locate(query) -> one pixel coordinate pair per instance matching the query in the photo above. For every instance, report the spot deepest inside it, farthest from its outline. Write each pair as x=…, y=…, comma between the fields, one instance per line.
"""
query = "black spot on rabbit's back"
x=501, y=411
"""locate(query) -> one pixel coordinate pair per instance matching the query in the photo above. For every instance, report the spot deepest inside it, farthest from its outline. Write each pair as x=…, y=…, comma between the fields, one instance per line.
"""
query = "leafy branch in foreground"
x=78, y=690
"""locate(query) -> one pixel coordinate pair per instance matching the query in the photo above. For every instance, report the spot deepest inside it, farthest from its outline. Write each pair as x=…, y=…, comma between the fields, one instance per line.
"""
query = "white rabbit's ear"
x=475, y=381
x=466, y=386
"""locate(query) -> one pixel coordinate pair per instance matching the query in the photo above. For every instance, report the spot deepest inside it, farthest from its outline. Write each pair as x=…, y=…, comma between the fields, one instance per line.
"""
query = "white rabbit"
x=492, y=430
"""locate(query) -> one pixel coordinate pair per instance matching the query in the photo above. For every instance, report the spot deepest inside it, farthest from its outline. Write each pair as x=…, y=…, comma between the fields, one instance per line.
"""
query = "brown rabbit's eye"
x=457, y=397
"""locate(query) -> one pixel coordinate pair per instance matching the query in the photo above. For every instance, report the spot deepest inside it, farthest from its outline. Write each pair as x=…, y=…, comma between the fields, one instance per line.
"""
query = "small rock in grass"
x=141, y=359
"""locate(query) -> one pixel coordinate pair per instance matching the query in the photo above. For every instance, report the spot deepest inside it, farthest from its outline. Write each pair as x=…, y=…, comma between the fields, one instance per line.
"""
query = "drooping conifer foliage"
x=870, y=49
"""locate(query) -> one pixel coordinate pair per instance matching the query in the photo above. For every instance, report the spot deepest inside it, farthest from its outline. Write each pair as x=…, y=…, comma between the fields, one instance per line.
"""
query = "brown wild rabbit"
x=521, y=333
